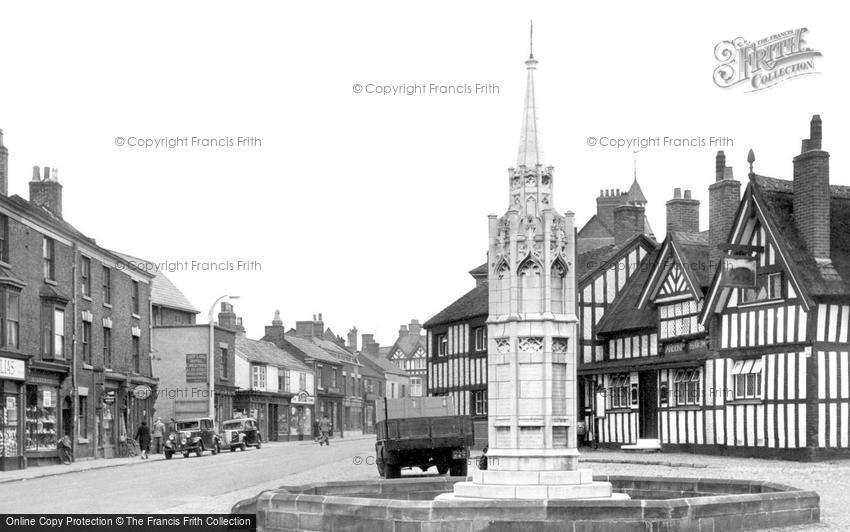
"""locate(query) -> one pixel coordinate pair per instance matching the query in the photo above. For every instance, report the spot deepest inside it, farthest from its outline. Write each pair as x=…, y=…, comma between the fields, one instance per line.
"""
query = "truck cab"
x=421, y=432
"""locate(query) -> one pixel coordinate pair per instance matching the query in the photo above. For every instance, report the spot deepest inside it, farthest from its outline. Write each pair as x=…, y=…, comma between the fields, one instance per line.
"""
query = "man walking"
x=324, y=430
x=158, y=433
x=143, y=436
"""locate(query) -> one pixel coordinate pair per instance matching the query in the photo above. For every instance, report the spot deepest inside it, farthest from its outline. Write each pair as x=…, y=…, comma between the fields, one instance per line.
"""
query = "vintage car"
x=240, y=433
x=192, y=436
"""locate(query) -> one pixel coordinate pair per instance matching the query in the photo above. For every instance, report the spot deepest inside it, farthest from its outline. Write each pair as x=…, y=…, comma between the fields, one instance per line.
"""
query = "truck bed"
x=425, y=432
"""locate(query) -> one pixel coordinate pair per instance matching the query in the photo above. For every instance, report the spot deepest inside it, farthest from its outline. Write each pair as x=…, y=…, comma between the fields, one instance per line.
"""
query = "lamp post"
x=211, y=356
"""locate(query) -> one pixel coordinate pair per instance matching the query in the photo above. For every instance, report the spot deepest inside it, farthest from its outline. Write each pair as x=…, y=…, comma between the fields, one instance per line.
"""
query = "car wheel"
x=458, y=468
x=185, y=454
x=442, y=469
x=168, y=455
x=393, y=471
x=232, y=449
x=242, y=446
x=199, y=451
x=259, y=443
x=217, y=448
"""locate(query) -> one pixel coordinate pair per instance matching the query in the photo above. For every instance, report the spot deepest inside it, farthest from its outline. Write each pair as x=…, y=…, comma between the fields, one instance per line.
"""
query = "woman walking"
x=143, y=436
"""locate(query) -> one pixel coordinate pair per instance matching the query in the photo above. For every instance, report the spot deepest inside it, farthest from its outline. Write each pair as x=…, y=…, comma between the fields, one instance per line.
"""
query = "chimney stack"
x=4, y=167
x=811, y=193
x=47, y=192
x=275, y=332
x=415, y=328
x=352, y=339
x=403, y=332
x=227, y=318
x=628, y=222
x=682, y=212
x=724, y=195
x=607, y=201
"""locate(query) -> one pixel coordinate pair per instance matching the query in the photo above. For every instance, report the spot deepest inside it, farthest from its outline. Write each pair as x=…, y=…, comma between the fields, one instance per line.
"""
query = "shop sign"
x=11, y=368
x=196, y=367
x=142, y=391
x=302, y=398
x=109, y=397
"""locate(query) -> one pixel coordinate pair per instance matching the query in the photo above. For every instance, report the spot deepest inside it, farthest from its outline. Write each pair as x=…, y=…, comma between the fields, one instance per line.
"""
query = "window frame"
x=687, y=386
x=107, y=347
x=85, y=276
x=258, y=377
x=48, y=257
x=85, y=342
x=479, y=335
x=134, y=297
x=8, y=322
x=106, y=285
x=442, y=344
x=4, y=238
x=136, y=352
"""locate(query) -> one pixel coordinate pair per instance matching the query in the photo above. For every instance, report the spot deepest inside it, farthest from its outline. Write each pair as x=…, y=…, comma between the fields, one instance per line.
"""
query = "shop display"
x=9, y=427
x=41, y=419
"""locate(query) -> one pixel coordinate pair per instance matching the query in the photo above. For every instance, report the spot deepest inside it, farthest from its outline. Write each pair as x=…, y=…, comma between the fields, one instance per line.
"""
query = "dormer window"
x=769, y=288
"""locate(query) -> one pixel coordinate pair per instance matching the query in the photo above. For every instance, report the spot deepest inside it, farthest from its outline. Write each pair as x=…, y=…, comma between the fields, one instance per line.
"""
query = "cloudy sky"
x=371, y=208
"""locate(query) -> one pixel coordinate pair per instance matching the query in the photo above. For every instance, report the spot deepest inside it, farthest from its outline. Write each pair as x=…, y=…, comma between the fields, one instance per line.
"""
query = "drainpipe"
x=75, y=407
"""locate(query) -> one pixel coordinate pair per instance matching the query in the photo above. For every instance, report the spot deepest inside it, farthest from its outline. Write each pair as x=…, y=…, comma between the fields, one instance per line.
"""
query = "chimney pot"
x=687, y=194
x=720, y=166
x=36, y=173
x=677, y=193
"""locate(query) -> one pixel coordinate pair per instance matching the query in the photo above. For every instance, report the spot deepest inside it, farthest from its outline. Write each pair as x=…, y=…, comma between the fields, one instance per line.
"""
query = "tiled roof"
x=589, y=261
x=310, y=349
x=778, y=198
x=635, y=193
x=385, y=365
x=623, y=313
x=694, y=248
x=471, y=304
x=409, y=344
x=163, y=292
x=267, y=353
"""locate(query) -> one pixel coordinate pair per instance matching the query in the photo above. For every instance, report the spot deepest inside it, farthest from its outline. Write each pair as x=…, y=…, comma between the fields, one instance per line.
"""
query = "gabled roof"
x=624, y=314
x=310, y=349
x=409, y=345
x=381, y=363
x=694, y=249
x=163, y=292
x=591, y=261
x=262, y=352
x=471, y=304
x=689, y=251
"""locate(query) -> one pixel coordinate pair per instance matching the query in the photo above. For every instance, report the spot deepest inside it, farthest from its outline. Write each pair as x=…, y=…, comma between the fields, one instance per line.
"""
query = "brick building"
x=75, y=342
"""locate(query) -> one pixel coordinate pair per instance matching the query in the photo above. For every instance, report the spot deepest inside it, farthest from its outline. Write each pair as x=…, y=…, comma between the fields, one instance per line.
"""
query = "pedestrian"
x=143, y=436
x=65, y=449
x=482, y=460
x=324, y=430
x=158, y=433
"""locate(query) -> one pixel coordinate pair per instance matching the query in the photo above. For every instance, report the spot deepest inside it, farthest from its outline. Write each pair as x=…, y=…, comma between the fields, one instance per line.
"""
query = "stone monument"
x=532, y=337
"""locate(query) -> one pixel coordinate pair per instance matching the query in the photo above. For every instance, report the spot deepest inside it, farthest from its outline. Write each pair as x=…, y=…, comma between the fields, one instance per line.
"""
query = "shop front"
x=47, y=413
x=271, y=410
x=330, y=406
x=12, y=390
x=301, y=416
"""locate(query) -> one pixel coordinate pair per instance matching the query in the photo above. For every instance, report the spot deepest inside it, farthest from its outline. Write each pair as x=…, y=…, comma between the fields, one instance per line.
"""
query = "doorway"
x=272, y=433
x=648, y=404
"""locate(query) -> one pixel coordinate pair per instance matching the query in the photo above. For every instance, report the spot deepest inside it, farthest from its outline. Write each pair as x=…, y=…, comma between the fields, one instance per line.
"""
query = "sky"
x=371, y=208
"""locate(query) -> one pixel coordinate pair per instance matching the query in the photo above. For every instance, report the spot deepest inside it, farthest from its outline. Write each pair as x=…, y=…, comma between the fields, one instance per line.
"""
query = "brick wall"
x=683, y=213
x=811, y=193
x=628, y=221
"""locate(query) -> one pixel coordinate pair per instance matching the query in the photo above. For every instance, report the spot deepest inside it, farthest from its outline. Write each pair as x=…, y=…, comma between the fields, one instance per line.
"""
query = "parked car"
x=421, y=432
x=240, y=433
x=192, y=436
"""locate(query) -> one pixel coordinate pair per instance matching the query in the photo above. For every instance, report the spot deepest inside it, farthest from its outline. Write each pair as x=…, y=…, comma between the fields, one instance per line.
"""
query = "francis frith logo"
x=764, y=63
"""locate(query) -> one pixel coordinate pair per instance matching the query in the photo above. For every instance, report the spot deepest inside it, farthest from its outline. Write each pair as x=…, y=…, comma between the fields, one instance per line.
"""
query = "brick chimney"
x=372, y=348
x=310, y=329
x=46, y=192
x=275, y=332
x=352, y=339
x=607, y=201
x=227, y=318
x=415, y=328
x=628, y=222
x=811, y=193
x=683, y=212
x=403, y=332
x=724, y=196
x=4, y=167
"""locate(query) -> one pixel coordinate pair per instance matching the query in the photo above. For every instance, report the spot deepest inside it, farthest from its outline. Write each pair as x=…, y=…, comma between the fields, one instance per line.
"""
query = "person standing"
x=158, y=433
x=324, y=430
x=143, y=436
x=65, y=450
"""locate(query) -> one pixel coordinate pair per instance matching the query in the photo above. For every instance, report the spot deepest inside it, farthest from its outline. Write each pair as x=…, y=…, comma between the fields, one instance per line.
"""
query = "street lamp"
x=211, y=356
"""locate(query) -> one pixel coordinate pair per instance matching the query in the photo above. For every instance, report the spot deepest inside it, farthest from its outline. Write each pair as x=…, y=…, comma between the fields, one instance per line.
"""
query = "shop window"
x=85, y=276
x=618, y=391
x=9, y=426
x=41, y=418
x=747, y=375
x=687, y=384
x=11, y=319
